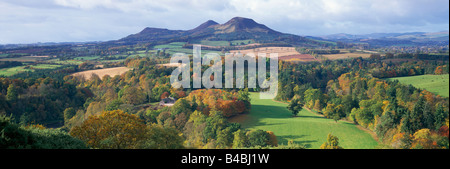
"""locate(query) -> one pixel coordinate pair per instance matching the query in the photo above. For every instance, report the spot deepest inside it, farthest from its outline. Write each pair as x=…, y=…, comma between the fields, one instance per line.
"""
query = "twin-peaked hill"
x=238, y=28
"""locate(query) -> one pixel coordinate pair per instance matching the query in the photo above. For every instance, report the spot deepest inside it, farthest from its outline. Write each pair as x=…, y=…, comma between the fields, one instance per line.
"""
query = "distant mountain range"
x=386, y=39
x=238, y=28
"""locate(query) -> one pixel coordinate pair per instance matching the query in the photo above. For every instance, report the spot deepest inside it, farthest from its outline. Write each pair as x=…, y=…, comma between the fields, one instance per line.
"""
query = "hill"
x=237, y=28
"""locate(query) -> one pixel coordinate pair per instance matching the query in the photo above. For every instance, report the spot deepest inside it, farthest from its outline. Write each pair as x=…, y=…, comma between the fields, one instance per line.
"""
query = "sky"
x=32, y=21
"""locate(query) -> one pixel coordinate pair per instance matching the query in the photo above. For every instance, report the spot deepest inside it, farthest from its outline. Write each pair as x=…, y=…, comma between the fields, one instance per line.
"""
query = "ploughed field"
x=284, y=53
x=102, y=72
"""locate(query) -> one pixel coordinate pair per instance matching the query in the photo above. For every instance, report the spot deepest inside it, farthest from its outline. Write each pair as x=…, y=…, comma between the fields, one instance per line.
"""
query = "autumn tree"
x=334, y=112
x=310, y=97
x=111, y=130
x=12, y=93
x=422, y=140
x=331, y=143
x=401, y=141
x=229, y=103
x=272, y=139
x=224, y=138
x=133, y=95
x=159, y=137
x=165, y=95
x=240, y=139
x=439, y=70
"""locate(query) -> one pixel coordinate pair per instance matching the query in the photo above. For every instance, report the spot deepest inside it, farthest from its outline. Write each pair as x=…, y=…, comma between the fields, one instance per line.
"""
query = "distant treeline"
x=424, y=56
x=228, y=48
x=318, y=51
x=58, y=73
x=7, y=64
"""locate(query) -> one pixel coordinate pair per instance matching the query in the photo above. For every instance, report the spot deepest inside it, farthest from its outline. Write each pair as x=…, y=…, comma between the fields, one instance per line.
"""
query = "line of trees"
x=402, y=116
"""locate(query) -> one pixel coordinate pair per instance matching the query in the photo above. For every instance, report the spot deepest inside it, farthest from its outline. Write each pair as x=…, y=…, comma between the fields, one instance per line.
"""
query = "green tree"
x=194, y=128
x=114, y=105
x=244, y=95
x=416, y=116
x=214, y=123
x=240, y=139
x=223, y=138
x=69, y=113
x=406, y=126
x=13, y=135
x=181, y=106
x=159, y=137
x=386, y=123
x=439, y=117
x=428, y=116
x=295, y=106
x=258, y=138
x=310, y=97
x=12, y=93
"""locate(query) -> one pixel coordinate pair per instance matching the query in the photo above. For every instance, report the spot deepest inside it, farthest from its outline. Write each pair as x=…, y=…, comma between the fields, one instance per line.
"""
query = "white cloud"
x=86, y=20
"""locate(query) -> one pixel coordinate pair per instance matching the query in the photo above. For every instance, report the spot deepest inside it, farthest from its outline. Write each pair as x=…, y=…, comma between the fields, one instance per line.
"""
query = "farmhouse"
x=167, y=101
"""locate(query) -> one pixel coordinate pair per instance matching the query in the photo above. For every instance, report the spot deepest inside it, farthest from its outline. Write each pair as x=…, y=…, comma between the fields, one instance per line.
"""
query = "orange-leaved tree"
x=111, y=130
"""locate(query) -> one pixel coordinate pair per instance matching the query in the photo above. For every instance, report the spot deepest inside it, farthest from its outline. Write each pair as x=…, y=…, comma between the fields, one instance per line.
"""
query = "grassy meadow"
x=437, y=84
x=18, y=69
x=308, y=129
x=177, y=47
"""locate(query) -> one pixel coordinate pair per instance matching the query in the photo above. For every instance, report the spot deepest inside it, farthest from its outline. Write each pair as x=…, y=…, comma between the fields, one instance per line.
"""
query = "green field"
x=172, y=45
x=87, y=58
x=437, y=84
x=66, y=62
x=227, y=43
x=12, y=71
x=177, y=47
x=215, y=43
x=308, y=129
x=18, y=69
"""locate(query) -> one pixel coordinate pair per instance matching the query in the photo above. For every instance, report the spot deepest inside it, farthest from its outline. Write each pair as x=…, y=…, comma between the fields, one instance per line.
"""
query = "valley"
x=117, y=94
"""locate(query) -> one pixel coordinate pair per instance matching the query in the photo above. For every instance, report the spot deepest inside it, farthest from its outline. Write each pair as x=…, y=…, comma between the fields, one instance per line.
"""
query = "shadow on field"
x=284, y=140
x=259, y=112
x=268, y=111
x=312, y=116
x=266, y=124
